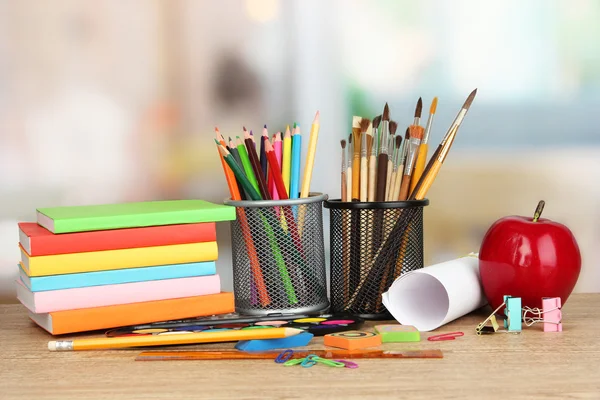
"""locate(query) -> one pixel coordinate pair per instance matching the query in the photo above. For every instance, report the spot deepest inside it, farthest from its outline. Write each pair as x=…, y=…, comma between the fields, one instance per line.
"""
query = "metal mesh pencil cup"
x=279, y=256
x=372, y=244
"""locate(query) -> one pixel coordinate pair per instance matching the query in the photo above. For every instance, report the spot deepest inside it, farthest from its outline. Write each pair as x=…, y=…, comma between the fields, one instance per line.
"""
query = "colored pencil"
x=286, y=167
x=258, y=279
x=310, y=156
x=246, y=164
x=236, y=155
x=229, y=176
x=263, y=157
x=164, y=340
x=296, y=158
x=255, y=163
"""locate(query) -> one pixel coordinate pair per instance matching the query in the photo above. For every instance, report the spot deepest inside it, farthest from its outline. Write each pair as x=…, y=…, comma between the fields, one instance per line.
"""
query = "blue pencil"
x=296, y=153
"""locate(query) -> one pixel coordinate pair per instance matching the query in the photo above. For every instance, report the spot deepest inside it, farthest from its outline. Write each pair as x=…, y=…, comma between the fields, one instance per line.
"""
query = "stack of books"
x=88, y=268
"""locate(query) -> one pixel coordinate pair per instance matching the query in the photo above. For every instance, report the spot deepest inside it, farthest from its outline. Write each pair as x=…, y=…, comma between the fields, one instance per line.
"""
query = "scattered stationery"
x=397, y=333
x=352, y=340
x=299, y=340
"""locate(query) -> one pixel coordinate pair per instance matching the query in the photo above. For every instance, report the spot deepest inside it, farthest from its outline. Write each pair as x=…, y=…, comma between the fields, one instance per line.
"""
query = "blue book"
x=85, y=279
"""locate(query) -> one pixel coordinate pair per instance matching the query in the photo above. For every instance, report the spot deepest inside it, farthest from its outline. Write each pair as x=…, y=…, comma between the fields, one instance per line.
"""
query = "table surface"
x=532, y=364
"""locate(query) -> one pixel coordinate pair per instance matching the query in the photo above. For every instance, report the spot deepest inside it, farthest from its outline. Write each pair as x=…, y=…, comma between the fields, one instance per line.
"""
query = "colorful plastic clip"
x=284, y=356
x=552, y=314
x=347, y=364
x=513, y=313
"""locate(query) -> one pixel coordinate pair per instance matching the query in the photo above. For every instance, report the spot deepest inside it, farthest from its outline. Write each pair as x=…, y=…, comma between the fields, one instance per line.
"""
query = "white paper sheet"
x=433, y=296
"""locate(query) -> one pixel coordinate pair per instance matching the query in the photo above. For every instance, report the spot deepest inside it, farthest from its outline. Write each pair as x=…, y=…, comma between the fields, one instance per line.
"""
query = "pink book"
x=109, y=295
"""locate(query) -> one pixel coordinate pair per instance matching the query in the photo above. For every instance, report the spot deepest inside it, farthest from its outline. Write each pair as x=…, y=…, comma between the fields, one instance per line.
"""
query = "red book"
x=38, y=241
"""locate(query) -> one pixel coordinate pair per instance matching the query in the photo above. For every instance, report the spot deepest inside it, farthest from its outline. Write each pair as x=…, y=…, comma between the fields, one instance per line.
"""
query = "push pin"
x=550, y=315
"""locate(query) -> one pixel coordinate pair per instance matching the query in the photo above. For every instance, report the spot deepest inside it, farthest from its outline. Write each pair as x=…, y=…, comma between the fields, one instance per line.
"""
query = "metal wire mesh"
x=370, y=248
x=279, y=256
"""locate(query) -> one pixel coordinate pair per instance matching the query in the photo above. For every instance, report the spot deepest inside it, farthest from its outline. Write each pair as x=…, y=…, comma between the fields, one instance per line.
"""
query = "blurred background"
x=115, y=101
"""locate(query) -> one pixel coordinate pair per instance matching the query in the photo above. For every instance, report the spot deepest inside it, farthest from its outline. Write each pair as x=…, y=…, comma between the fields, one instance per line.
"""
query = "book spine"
x=73, y=321
x=82, y=242
x=110, y=295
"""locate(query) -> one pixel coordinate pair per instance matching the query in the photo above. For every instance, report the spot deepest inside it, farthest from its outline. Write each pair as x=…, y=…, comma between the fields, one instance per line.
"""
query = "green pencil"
x=255, y=195
x=247, y=164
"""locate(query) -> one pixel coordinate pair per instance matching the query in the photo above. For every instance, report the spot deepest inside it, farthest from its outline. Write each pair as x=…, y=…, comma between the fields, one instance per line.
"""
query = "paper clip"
x=347, y=364
x=294, y=361
x=550, y=315
x=445, y=336
x=284, y=356
x=513, y=313
x=309, y=361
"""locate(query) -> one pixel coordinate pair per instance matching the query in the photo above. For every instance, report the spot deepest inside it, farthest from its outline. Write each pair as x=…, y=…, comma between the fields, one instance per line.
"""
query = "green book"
x=131, y=215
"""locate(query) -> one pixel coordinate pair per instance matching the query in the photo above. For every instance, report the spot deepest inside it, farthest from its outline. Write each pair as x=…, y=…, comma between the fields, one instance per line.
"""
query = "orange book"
x=91, y=319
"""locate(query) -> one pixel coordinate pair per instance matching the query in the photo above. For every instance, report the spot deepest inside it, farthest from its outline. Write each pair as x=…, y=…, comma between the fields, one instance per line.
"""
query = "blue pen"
x=295, y=171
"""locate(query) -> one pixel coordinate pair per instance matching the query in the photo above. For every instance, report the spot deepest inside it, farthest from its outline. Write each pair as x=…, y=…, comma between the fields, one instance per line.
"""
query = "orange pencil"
x=261, y=288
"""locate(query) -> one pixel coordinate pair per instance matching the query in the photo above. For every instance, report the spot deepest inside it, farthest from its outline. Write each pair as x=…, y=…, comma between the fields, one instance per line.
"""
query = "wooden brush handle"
x=404, y=188
x=349, y=184
x=372, y=183
x=432, y=160
x=419, y=166
x=356, y=177
x=363, y=178
x=428, y=180
x=389, y=195
x=381, y=176
x=344, y=190
x=397, y=184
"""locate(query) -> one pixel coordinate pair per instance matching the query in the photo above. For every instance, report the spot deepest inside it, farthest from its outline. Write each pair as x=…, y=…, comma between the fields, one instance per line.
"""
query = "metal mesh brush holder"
x=372, y=244
x=279, y=256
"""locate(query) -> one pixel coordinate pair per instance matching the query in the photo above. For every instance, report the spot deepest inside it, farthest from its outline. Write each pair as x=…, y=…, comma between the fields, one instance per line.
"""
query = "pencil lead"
x=265, y=126
x=316, y=120
x=386, y=112
x=216, y=129
x=393, y=127
x=376, y=121
x=470, y=100
x=364, y=125
x=244, y=128
x=278, y=136
x=294, y=125
x=217, y=142
x=433, y=106
x=419, y=108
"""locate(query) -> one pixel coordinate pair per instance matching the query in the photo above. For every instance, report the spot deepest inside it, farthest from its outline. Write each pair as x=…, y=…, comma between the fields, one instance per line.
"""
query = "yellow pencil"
x=308, y=169
x=171, y=339
x=286, y=170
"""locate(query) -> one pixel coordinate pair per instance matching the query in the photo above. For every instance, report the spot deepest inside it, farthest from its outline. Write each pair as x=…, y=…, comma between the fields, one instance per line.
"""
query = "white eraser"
x=52, y=346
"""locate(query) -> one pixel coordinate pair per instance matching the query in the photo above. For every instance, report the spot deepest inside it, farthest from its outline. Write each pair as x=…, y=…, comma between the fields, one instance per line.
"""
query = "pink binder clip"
x=552, y=314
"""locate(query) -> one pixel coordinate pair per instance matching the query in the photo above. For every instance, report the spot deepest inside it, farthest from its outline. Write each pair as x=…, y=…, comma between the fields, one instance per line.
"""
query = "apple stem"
x=538, y=210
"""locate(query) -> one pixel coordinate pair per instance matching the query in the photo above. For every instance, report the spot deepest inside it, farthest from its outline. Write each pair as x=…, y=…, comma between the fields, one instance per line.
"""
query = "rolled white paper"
x=433, y=296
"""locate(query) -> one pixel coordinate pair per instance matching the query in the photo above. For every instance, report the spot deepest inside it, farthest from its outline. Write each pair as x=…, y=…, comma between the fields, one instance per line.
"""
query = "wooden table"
x=530, y=365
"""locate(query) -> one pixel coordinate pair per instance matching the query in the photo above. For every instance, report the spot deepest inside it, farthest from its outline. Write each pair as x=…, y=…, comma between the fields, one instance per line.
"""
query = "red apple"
x=529, y=258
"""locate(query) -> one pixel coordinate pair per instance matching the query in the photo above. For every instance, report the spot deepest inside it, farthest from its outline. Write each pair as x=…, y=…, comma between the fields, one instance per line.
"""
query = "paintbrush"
x=396, y=174
x=390, y=168
x=356, y=158
x=423, y=147
x=349, y=172
x=441, y=152
x=344, y=170
x=401, y=161
x=382, y=159
x=416, y=135
x=373, y=159
x=364, y=172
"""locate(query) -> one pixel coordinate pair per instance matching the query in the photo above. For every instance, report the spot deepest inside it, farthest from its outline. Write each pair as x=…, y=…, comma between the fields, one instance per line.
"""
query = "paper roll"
x=433, y=296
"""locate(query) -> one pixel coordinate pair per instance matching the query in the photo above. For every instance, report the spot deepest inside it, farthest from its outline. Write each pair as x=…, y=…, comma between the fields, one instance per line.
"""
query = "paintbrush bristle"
x=350, y=138
x=356, y=121
x=398, y=141
x=470, y=100
x=419, y=108
x=364, y=125
x=407, y=134
x=393, y=127
x=386, y=113
x=433, y=106
x=343, y=143
x=376, y=121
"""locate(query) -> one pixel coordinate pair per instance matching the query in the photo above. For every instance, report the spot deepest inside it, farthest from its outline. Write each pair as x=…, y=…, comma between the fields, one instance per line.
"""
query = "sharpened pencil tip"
x=316, y=120
x=265, y=126
x=216, y=129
